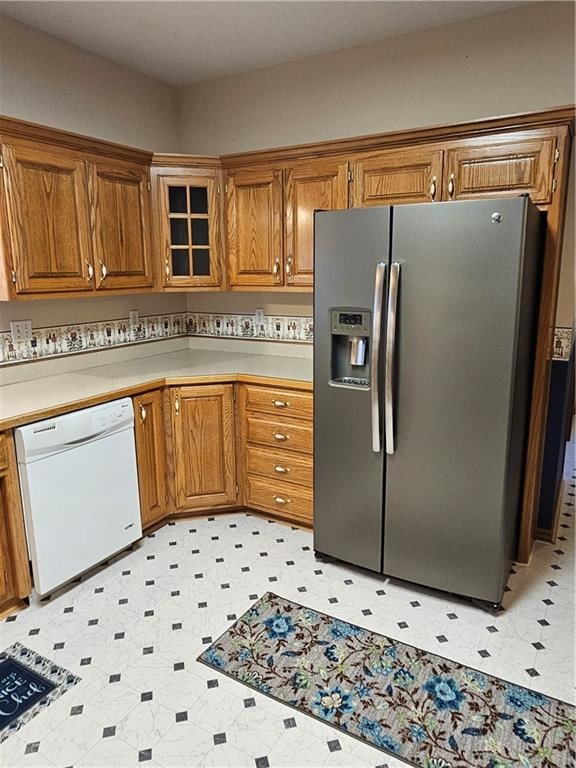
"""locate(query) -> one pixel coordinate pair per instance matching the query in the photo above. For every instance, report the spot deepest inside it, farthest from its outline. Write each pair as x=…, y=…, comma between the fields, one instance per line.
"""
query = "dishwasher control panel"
x=111, y=415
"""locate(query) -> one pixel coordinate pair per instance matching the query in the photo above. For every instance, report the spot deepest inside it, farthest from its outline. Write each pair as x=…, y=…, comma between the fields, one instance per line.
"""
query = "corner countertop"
x=39, y=398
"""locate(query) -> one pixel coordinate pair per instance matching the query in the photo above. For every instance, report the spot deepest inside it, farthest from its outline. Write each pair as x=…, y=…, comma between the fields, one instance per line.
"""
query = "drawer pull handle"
x=279, y=436
x=281, y=470
x=281, y=500
x=281, y=403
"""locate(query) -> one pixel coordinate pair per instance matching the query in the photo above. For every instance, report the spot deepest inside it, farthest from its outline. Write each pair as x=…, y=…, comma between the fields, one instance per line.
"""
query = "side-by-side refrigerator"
x=424, y=320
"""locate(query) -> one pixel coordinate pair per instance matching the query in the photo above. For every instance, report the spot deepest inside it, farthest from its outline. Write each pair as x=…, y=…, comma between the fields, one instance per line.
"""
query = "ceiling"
x=186, y=42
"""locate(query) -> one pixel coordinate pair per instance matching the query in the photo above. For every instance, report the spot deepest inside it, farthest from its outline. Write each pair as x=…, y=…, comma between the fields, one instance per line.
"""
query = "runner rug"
x=422, y=708
x=28, y=684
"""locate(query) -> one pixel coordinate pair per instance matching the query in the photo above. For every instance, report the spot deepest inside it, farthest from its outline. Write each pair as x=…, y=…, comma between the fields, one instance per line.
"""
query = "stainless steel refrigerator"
x=424, y=321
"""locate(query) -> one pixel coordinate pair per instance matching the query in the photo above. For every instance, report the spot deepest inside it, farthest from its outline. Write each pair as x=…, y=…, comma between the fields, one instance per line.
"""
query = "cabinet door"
x=315, y=186
x=203, y=418
x=47, y=204
x=151, y=455
x=6, y=585
x=255, y=228
x=397, y=176
x=505, y=165
x=120, y=209
x=188, y=216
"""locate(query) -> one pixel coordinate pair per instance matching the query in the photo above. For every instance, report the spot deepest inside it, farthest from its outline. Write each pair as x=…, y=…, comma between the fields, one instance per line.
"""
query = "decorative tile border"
x=89, y=337
x=562, y=343
x=273, y=328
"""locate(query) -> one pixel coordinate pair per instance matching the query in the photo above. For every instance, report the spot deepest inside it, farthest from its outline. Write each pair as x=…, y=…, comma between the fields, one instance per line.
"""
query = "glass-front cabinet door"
x=188, y=224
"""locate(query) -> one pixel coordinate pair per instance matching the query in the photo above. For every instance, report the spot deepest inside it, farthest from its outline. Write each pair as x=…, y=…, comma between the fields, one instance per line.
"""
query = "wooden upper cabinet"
x=188, y=216
x=48, y=222
x=314, y=186
x=506, y=164
x=397, y=176
x=254, y=207
x=151, y=455
x=204, y=453
x=120, y=218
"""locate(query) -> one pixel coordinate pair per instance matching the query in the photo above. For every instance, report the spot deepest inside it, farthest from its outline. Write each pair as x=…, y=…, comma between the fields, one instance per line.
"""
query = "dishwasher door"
x=80, y=494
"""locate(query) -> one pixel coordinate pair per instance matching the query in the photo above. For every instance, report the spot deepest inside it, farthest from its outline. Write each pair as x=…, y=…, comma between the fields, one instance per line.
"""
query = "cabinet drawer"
x=280, y=401
x=283, y=499
x=281, y=467
x=3, y=452
x=283, y=434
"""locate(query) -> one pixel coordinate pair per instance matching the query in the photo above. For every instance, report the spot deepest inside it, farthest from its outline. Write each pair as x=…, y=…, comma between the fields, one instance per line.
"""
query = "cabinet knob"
x=289, y=266
x=103, y=270
x=142, y=413
x=276, y=269
x=279, y=436
x=167, y=267
x=280, y=403
x=281, y=470
x=451, y=187
x=90, y=271
x=177, y=405
x=281, y=500
x=433, y=188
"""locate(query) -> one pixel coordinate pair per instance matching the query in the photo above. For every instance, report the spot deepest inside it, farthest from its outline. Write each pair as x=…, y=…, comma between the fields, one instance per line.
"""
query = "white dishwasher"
x=79, y=488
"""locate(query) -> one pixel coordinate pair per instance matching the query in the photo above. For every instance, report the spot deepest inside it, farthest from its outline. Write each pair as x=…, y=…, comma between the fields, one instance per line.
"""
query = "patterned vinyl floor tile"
x=132, y=630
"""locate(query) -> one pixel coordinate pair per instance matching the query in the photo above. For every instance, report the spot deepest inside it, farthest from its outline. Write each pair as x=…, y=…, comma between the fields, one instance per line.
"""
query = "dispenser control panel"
x=350, y=322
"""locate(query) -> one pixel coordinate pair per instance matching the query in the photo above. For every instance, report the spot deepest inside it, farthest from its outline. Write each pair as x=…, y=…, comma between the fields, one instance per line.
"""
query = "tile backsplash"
x=86, y=337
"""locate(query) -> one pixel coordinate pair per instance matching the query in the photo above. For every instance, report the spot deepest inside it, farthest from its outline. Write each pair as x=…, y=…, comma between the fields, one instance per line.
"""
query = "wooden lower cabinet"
x=276, y=441
x=204, y=451
x=15, y=582
x=151, y=455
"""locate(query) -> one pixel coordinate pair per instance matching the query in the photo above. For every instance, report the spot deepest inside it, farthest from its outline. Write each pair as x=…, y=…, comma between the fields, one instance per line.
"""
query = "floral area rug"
x=29, y=683
x=422, y=708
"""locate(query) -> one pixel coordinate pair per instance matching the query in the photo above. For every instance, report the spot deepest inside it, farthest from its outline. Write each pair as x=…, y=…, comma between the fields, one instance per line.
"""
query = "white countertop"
x=31, y=397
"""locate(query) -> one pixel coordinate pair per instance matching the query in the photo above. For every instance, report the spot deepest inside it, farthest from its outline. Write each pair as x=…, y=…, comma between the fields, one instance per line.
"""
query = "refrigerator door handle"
x=379, y=282
x=390, y=349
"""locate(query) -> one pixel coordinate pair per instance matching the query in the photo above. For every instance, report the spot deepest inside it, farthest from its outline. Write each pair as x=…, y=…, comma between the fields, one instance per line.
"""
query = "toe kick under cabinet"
x=276, y=433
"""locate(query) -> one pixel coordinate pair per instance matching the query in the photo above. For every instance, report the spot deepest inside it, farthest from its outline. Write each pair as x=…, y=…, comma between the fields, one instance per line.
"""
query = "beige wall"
x=46, y=80
x=515, y=61
x=299, y=304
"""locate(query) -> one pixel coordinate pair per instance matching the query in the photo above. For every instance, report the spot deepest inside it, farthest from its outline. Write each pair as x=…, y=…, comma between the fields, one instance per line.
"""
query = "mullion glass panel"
x=179, y=231
x=198, y=200
x=199, y=231
x=201, y=262
x=177, y=200
x=180, y=262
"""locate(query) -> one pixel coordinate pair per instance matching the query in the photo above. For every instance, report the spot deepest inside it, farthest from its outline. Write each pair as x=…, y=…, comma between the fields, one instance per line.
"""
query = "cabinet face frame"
x=122, y=188
x=163, y=179
x=196, y=437
x=506, y=164
x=397, y=176
x=151, y=455
x=254, y=231
x=50, y=164
x=314, y=185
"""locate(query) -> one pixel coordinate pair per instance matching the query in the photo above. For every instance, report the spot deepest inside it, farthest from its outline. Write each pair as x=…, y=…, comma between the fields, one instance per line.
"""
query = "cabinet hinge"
x=13, y=273
x=350, y=175
x=225, y=187
x=556, y=155
x=554, y=185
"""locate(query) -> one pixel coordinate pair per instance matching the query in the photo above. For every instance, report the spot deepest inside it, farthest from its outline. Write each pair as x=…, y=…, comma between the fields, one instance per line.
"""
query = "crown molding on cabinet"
x=447, y=131
x=166, y=160
x=13, y=128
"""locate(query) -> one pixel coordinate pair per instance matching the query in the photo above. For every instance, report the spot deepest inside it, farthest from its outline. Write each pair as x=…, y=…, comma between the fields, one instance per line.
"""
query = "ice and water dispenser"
x=350, y=353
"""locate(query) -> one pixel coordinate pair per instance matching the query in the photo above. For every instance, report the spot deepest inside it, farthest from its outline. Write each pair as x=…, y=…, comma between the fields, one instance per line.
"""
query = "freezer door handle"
x=379, y=284
x=390, y=350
